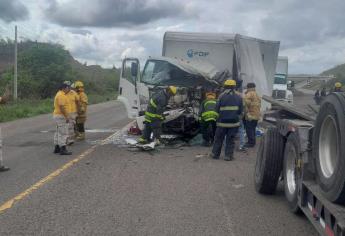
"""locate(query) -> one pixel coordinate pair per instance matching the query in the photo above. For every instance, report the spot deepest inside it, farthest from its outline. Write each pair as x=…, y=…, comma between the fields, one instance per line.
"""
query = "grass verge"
x=30, y=108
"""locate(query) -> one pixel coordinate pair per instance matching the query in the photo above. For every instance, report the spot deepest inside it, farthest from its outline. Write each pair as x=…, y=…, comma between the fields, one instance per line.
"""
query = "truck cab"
x=158, y=73
x=280, y=89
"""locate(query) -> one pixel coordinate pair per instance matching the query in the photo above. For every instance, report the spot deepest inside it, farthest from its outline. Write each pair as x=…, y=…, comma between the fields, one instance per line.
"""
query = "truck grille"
x=279, y=94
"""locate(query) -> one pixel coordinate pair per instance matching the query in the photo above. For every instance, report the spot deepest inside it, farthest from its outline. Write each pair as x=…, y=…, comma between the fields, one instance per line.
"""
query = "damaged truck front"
x=195, y=62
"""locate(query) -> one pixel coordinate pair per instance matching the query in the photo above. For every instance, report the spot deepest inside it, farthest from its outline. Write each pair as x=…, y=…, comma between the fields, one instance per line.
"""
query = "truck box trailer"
x=308, y=153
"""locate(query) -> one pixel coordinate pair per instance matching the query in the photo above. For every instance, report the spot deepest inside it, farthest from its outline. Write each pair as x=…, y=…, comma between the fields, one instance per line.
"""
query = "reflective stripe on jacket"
x=207, y=110
x=230, y=107
x=156, y=106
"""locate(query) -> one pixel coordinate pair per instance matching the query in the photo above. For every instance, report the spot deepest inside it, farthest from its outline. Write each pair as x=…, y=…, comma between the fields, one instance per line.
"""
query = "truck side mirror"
x=134, y=69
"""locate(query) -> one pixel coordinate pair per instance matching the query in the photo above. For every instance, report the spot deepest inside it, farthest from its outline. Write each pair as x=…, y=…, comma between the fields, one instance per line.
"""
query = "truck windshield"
x=157, y=72
x=280, y=79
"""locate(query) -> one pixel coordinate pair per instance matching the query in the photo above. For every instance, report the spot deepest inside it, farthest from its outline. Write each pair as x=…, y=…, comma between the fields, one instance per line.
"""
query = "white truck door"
x=128, y=92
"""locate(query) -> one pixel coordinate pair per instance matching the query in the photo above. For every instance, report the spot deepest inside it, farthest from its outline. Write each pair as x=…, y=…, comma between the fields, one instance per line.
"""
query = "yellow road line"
x=7, y=205
x=43, y=181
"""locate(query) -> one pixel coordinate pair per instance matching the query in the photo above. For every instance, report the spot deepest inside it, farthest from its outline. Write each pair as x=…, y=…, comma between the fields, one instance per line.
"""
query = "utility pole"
x=15, y=85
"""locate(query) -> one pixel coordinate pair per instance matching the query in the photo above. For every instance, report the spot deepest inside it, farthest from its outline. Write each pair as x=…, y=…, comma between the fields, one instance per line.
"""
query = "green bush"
x=42, y=67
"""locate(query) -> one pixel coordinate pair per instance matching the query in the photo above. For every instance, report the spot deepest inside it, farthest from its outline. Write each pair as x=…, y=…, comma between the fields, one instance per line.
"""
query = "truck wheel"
x=329, y=147
x=269, y=161
x=291, y=172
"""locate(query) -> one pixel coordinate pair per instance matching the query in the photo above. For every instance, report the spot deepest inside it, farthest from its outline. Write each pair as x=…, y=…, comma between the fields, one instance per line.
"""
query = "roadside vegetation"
x=32, y=107
x=42, y=67
x=339, y=73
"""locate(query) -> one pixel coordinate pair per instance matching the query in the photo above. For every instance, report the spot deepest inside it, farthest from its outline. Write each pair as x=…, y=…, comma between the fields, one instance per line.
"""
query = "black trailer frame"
x=327, y=218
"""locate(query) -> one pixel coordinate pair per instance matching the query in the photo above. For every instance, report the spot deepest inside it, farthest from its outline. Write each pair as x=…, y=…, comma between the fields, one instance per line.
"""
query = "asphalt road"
x=116, y=190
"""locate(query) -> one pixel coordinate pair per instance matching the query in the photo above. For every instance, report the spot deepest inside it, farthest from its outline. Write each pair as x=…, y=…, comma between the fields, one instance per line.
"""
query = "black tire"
x=292, y=179
x=269, y=161
x=329, y=147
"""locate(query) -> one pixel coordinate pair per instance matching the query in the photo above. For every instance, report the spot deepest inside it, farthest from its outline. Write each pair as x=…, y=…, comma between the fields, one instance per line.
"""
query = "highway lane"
x=28, y=145
x=118, y=191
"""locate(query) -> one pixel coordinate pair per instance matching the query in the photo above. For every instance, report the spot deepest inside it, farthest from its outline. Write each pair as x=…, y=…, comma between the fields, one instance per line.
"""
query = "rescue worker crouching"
x=62, y=120
x=208, y=118
x=82, y=109
x=154, y=115
x=229, y=107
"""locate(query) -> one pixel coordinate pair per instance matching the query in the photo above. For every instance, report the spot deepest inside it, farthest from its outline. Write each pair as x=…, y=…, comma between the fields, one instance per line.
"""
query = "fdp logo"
x=193, y=53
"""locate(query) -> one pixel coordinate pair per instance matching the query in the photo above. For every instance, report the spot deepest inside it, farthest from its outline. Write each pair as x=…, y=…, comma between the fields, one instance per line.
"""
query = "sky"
x=103, y=32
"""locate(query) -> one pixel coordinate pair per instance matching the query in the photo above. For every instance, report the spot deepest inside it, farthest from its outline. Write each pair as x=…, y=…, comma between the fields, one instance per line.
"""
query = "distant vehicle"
x=307, y=152
x=195, y=62
x=281, y=90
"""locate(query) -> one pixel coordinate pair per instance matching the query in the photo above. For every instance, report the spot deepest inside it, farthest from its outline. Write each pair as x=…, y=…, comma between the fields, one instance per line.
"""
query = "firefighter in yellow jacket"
x=252, y=106
x=208, y=118
x=73, y=106
x=81, y=117
x=62, y=120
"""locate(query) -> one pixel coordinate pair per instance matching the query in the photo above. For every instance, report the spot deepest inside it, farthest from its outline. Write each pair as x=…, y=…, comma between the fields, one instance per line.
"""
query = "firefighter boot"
x=63, y=151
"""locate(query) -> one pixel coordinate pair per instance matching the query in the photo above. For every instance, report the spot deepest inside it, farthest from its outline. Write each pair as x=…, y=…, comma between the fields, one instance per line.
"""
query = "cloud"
x=104, y=31
x=298, y=23
x=13, y=10
x=120, y=13
x=79, y=31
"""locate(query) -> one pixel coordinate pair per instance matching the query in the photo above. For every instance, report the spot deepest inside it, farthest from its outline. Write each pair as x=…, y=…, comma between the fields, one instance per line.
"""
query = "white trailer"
x=248, y=59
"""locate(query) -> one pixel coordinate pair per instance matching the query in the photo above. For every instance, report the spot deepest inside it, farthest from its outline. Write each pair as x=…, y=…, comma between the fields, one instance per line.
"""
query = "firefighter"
x=154, y=114
x=229, y=107
x=208, y=118
x=337, y=87
x=81, y=117
x=73, y=101
x=62, y=120
x=252, y=106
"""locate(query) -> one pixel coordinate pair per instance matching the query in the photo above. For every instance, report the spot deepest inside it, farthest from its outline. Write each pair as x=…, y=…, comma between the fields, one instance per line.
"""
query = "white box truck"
x=194, y=62
x=280, y=84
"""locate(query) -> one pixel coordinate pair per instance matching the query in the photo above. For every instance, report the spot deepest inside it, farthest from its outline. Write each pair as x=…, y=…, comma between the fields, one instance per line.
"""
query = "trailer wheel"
x=269, y=161
x=291, y=172
x=329, y=147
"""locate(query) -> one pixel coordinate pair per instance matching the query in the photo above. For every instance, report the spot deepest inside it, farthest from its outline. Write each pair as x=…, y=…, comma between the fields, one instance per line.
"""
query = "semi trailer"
x=307, y=153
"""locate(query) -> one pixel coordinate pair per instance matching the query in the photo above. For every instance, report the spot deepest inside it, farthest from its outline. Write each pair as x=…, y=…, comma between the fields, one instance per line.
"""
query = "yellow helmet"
x=211, y=95
x=230, y=82
x=338, y=85
x=172, y=89
x=78, y=84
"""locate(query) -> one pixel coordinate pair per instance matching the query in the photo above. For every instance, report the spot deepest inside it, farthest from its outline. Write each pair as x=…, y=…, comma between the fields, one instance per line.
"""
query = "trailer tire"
x=291, y=172
x=329, y=147
x=269, y=161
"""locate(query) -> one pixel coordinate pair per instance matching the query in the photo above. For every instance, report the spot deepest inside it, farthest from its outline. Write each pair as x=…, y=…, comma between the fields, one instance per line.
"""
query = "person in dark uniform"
x=154, y=115
x=317, y=97
x=323, y=92
x=208, y=118
x=229, y=107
